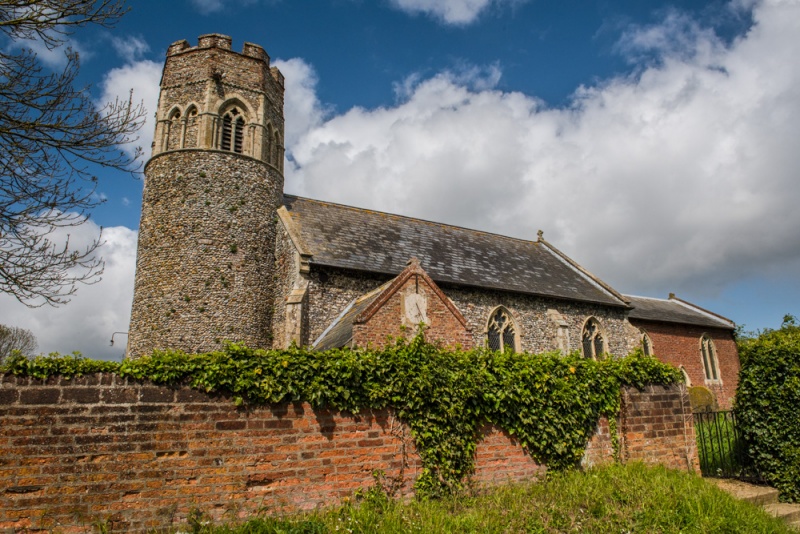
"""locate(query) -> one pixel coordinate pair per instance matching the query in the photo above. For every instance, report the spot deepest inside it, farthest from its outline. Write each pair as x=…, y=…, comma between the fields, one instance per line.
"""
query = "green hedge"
x=549, y=402
x=767, y=405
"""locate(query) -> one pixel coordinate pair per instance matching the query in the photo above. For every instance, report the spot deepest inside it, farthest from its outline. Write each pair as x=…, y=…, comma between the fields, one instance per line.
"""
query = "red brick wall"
x=139, y=456
x=500, y=458
x=387, y=322
x=679, y=345
x=655, y=427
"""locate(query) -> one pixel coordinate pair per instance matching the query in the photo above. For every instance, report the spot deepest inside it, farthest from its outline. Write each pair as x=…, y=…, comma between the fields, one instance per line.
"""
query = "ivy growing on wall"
x=550, y=403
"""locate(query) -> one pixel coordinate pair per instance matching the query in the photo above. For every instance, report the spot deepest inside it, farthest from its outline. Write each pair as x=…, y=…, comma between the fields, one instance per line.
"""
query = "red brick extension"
x=679, y=345
x=138, y=456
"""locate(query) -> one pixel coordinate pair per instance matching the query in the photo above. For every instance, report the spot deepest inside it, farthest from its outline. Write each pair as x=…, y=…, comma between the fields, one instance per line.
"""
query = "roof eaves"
x=621, y=303
x=702, y=311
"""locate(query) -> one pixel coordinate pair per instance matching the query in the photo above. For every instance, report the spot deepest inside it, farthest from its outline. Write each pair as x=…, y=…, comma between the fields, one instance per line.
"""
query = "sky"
x=655, y=142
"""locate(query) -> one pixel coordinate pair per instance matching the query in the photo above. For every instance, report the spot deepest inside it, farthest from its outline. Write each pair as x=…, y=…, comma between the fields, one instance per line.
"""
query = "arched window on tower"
x=708, y=352
x=173, y=137
x=594, y=342
x=232, y=137
x=268, y=143
x=190, y=133
x=501, y=332
x=276, y=147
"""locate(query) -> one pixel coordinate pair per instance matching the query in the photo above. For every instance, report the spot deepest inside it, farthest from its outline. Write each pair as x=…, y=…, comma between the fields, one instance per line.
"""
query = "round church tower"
x=207, y=233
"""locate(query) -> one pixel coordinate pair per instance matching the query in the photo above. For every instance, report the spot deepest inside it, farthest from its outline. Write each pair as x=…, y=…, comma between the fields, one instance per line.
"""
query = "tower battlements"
x=219, y=42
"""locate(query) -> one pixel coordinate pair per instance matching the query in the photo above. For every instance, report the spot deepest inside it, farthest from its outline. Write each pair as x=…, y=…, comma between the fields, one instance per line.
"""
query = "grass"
x=618, y=499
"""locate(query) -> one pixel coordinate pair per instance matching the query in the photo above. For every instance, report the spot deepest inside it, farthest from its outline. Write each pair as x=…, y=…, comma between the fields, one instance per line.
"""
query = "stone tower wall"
x=207, y=233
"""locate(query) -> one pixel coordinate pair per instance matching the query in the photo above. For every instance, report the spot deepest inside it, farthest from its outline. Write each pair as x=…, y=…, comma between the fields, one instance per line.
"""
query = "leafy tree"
x=767, y=401
x=14, y=338
x=51, y=136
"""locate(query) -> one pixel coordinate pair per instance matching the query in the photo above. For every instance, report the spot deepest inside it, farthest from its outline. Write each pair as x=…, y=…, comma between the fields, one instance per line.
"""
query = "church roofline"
x=659, y=311
x=363, y=240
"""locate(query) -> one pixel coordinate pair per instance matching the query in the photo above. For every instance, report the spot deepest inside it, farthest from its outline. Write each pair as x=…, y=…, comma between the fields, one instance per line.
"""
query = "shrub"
x=767, y=403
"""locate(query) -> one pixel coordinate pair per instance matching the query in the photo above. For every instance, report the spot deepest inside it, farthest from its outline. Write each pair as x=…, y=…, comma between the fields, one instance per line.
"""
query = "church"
x=225, y=255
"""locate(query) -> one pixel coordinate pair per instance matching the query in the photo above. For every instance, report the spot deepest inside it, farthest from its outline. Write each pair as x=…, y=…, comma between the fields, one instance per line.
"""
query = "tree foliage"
x=14, y=338
x=768, y=402
x=551, y=404
x=52, y=136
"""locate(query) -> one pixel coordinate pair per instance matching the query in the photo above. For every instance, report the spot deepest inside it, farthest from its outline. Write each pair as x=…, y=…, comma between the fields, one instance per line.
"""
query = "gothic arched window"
x=594, y=342
x=501, y=332
x=172, y=132
x=232, y=131
x=647, y=344
x=709, y=354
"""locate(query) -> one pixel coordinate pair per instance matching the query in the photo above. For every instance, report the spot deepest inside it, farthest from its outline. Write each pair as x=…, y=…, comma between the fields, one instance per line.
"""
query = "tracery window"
x=232, y=131
x=594, y=343
x=647, y=344
x=501, y=332
x=709, y=354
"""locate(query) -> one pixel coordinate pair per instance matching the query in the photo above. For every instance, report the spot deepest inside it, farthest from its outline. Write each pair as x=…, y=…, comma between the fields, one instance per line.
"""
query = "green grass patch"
x=616, y=498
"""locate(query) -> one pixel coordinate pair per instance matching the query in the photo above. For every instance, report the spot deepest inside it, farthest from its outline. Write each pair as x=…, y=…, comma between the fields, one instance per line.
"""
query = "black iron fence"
x=720, y=448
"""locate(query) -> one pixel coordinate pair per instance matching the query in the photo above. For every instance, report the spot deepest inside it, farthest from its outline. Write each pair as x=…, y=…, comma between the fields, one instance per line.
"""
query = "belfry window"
x=232, y=131
x=709, y=354
x=501, y=332
x=594, y=342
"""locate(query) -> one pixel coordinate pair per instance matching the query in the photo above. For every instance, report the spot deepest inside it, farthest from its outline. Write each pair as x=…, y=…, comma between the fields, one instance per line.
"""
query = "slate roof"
x=365, y=240
x=674, y=310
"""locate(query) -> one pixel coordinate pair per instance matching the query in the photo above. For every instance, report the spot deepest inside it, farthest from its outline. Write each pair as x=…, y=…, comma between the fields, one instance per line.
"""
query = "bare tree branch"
x=51, y=136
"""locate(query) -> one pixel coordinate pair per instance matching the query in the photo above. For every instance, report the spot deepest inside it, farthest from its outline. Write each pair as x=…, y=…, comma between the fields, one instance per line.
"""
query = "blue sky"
x=655, y=142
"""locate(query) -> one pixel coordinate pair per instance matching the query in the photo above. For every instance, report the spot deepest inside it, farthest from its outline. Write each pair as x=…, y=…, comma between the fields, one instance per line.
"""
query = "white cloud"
x=453, y=12
x=143, y=77
x=53, y=58
x=302, y=109
x=208, y=6
x=682, y=176
x=95, y=311
x=130, y=48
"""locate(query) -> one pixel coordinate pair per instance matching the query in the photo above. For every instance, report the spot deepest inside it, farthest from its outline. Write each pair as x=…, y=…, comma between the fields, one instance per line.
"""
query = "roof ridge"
x=644, y=297
x=408, y=217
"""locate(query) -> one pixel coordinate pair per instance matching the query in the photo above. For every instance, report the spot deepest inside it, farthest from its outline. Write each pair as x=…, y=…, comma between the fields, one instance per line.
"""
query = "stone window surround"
x=599, y=332
x=709, y=360
x=512, y=323
x=647, y=343
x=686, y=377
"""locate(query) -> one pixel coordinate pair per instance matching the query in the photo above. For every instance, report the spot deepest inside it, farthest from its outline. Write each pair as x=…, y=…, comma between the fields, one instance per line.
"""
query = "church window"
x=647, y=345
x=501, y=332
x=232, y=131
x=594, y=342
x=709, y=354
